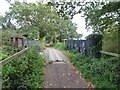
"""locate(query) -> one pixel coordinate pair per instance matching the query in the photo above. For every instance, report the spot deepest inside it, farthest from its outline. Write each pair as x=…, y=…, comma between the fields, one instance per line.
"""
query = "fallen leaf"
x=77, y=72
x=80, y=73
x=90, y=84
x=74, y=68
x=44, y=73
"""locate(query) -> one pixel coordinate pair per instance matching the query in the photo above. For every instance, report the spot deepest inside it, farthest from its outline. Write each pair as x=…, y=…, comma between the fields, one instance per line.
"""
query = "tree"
x=42, y=19
x=102, y=17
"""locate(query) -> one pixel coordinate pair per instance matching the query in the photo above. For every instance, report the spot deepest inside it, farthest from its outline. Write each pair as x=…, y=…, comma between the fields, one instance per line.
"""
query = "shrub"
x=41, y=45
x=111, y=41
x=102, y=72
x=3, y=56
x=94, y=45
x=50, y=62
x=24, y=72
x=52, y=44
x=9, y=50
x=60, y=46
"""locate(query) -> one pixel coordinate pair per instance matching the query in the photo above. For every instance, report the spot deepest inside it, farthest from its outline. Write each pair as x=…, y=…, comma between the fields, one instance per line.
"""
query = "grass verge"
x=102, y=72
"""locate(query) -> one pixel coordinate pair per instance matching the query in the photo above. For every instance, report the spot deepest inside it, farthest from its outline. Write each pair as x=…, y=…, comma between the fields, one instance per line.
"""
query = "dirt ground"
x=61, y=74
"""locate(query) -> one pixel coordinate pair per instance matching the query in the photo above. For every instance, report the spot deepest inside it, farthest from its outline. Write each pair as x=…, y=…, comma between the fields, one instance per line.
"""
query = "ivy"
x=94, y=45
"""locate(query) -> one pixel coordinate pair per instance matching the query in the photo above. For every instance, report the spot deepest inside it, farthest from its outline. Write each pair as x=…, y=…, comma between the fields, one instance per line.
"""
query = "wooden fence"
x=111, y=54
x=3, y=62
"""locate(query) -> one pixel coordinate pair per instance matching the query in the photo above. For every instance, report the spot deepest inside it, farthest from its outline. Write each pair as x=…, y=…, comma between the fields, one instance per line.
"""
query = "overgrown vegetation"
x=36, y=21
x=103, y=72
x=111, y=42
x=3, y=56
x=93, y=45
x=52, y=21
x=26, y=71
x=50, y=62
x=60, y=46
x=102, y=17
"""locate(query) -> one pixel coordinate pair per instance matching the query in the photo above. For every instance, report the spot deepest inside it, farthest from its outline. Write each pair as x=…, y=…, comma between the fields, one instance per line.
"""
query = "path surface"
x=60, y=74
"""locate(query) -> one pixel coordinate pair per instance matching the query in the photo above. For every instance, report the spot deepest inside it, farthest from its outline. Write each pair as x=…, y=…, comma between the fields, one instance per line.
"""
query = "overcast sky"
x=80, y=21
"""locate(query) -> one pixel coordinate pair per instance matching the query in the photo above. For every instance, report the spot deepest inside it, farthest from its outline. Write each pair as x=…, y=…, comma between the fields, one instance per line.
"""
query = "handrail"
x=110, y=53
x=3, y=62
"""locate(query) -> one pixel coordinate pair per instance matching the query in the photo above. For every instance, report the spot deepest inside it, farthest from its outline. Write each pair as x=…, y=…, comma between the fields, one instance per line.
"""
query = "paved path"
x=60, y=74
x=54, y=55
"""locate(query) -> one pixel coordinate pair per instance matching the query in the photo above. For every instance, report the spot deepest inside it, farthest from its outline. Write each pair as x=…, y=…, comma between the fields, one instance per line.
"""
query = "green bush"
x=59, y=46
x=24, y=72
x=41, y=44
x=102, y=72
x=9, y=50
x=52, y=44
x=94, y=45
x=111, y=41
x=3, y=56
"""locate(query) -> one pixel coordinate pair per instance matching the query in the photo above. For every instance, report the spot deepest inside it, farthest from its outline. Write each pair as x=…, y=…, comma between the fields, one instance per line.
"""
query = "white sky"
x=80, y=21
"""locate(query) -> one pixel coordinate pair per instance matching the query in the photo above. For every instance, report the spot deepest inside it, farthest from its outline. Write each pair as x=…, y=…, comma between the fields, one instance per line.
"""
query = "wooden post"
x=109, y=53
x=5, y=61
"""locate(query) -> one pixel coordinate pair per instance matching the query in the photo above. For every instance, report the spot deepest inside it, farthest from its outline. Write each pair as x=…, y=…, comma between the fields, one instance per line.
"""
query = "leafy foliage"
x=3, y=56
x=24, y=72
x=98, y=15
x=50, y=62
x=111, y=40
x=60, y=46
x=94, y=45
x=102, y=72
x=6, y=36
x=40, y=20
x=102, y=17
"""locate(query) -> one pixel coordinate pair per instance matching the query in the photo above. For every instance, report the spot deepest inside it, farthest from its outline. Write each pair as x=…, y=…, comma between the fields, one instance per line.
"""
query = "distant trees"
x=53, y=20
x=102, y=17
x=40, y=20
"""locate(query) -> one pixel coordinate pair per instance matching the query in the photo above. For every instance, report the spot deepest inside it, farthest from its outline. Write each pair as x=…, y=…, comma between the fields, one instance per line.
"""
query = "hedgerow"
x=93, y=45
x=3, y=56
x=26, y=71
x=103, y=72
x=59, y=46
